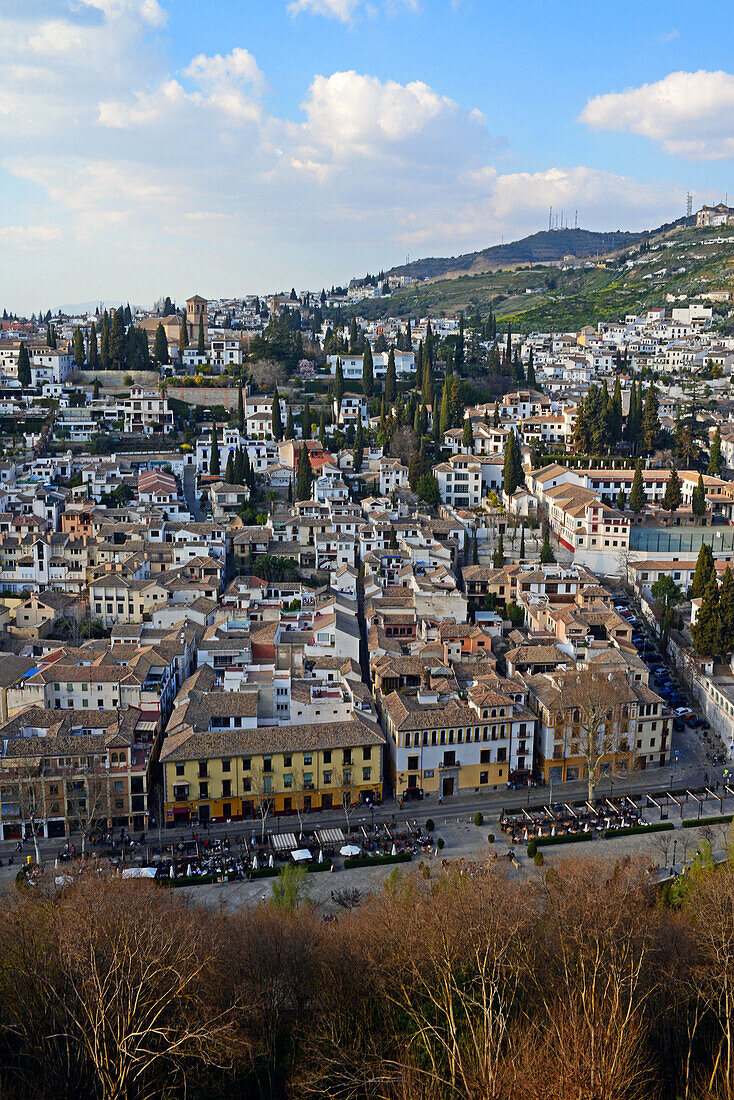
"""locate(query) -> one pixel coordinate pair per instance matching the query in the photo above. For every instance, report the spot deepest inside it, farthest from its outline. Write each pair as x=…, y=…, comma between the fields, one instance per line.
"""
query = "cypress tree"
x=517, y=367
x=508, y=348
x=248, y=474
x=513, y=471
x=698, y=502
x=704, y=571
x=650, y=428
x=24, y=366
x=467, y=439
x=290, y=429
x=726, y=610
x=160, y=344
x=445, y=415
x=672, y=498
x=707, y=631
x=353, y=337
x=338, y=384
x=617, y=411
x=460, y=344
x=322, y=427
x=637, y=493
x=390, y=378
x=496, y=417
x=79, y=354
x=306, y=422
x=214, y=457
x=118, y=345
x=419, y=368
x=498, y=558
x=532, y=383
x=368, y=382
x=183, y=335
x=428, y=392
x=522, y=544
x=408, y=337
x=240, y=409
x=95, y=389
x=621, y=499
x=277, y=423
x=93, y=354
x=201, y=349
x=547, y=557
x=229, y=472
x=716, y=459
x=104, y=341
x=417, y=420
x=304, y=478
x=357, y=453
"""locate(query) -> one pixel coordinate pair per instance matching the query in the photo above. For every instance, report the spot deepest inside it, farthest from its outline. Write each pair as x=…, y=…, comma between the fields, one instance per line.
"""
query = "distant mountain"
x=543, y=247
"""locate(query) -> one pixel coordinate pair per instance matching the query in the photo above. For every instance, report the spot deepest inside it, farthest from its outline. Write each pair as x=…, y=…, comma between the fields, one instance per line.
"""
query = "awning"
x=330, y=837
x=138, y=872
x=300, y=855
x=283, y=842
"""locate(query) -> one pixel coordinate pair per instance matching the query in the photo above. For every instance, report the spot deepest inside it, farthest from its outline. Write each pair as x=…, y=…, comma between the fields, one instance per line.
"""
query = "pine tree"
x=183, y=335
x=201, y=348
x=79, y=354
x=240, y=409
x=637, y=493
x=304, y=477
x=93, y=355
x=358, y=452
x=368, y=381
x=673, y=496
x=214, y=458
x=467, y=439
x=716, y=459
x=498, y=558
x=726, y=610
x=160, y=344
x=704, y=571
x=338, y=384
x=390, y=378
x=698, y=501
x=290, y=428
x=707, y=631
x=24, y=366
x=547, y=557
x=277, y=423
x=650, y=427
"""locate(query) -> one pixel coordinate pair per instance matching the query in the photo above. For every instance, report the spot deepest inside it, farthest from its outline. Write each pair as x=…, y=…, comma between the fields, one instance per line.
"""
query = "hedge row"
x=375, y=861
x=631, y=830
x=694, y=822
x=567, y=838
x=194, y=880
x=314, y=867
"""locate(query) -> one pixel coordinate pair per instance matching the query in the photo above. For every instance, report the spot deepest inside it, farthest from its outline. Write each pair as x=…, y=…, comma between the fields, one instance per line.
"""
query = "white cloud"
x=688, y=114
x=29, y=236
x=347, y=10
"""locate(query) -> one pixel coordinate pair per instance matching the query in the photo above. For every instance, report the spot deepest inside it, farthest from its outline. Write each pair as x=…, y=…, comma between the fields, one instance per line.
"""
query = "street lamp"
x=675, y=842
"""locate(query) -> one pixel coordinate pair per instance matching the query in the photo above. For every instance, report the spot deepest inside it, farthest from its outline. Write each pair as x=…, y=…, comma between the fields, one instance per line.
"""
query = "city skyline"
x=149, y=150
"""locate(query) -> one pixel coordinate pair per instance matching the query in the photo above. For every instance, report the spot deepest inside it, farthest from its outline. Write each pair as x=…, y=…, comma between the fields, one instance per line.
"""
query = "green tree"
x=716, y=459
x=726, y=609
x=496, y=416
x=304, y=476
x=667, y=595
x=474, y=547
x=229, y=472
x=704, y=571
x=650, y=429
x=277, y=423
x=118, y=343
x=214, y=458
x=160, y=344
x=201, y=347
x=368, y=381
x=79, y=353
x=498, y=557
x=93, y=354
x=547, y=556
x=24, y=366
x=306, y=421
x=513, y=471
x=445, y=413
x=621, y=499
x=291, y=888
x=240, y=409
x=358, y=452
x=390, y=378
x=532, y=382
x=616, y=424
x=427, y=489
x=338, y=384
x=290, y=428
x=673, y=496
x=698, y=501
x=355, y=342
x=522, y=544
x=104, y=341
x=95, y=389
x=183, y=335
x=637, y=493
x=467, y=439
x=707, y=631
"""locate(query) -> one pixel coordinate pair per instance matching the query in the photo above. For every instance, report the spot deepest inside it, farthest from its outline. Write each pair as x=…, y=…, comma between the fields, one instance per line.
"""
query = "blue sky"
x=164, y=146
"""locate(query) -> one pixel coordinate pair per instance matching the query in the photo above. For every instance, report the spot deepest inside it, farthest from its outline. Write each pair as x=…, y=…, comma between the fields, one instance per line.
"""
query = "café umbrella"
x=349, y=850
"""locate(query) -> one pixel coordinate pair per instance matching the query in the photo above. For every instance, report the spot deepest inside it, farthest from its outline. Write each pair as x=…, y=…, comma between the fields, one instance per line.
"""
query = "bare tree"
x=298, y=795
x=403, y=444
x=266, y=374
x=88, y=797
x=348, y=898
x=594, y=722
x=344, y=789
x=263, y=799
x=26, y=782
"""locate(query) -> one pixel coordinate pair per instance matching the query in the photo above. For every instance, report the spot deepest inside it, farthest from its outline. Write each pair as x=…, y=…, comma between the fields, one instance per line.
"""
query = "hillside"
x=544, y=247
x=682, y=262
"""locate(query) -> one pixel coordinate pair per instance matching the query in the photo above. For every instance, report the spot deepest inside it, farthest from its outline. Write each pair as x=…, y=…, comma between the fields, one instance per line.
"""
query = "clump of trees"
x=583, y=981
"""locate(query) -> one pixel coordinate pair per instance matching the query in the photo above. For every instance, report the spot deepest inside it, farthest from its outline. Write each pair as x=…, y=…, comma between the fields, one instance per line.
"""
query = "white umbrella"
x=271, y=861
x=255, y=864
x=394, y=851
x=300, y=855
x=172, y=873
x=321, y=855
x=349, y=850
x=188, y=870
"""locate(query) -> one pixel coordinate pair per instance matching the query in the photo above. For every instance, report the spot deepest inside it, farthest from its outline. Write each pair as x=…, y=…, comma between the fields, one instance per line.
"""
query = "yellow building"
x=222, y=774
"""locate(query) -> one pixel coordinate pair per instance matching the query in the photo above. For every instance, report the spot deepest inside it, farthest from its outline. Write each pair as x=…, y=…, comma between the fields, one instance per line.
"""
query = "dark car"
x=679, y=725
x=694, y=722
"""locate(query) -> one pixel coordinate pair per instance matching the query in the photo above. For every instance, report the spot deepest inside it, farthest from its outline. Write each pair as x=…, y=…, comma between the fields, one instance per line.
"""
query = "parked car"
x=684, y=712
x=678, y=725
x=694, y=722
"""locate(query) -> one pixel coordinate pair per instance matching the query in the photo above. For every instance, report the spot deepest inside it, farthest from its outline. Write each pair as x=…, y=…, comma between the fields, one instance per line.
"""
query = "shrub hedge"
x=545, y=841
x=375, y=861
x=632, y=830
x=694, y=822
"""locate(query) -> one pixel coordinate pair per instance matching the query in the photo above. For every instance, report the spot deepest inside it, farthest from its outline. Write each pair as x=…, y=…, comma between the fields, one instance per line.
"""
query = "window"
x=203, y=770
x=180, y=769
x=267, y=763
x=287, y=761
x=484, y=757
x=484, y=777
x=367, y=752
x=226, y=765
x=246, y=764
x=118, y=785
x=307, y=758
x=203, y=790
x=267, y=784
x=327, y=756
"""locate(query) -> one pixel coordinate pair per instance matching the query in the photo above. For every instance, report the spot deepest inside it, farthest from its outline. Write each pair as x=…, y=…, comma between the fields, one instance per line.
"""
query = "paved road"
x=189, y=492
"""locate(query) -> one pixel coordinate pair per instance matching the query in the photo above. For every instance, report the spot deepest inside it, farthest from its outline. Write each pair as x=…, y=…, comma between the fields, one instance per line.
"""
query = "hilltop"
x=543, y=247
